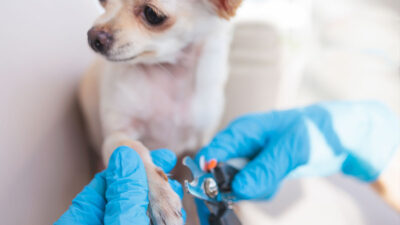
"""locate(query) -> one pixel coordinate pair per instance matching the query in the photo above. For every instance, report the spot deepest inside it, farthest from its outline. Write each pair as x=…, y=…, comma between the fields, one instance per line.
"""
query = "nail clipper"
x=214, y=189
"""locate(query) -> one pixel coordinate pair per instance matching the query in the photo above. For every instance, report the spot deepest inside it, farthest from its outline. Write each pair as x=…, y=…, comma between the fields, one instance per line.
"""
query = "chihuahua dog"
x=159, y=84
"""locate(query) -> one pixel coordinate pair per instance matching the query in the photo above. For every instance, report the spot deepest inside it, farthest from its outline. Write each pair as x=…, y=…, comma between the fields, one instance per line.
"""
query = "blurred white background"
x=294, y=53
x=285, y=53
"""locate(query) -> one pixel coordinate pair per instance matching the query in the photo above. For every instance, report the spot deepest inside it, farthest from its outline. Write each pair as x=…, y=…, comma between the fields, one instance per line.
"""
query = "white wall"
x=43, y=155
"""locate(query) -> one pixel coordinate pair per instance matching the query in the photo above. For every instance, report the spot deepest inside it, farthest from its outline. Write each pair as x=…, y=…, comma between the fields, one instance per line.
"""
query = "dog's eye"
x=152, y=17
x=103, y=2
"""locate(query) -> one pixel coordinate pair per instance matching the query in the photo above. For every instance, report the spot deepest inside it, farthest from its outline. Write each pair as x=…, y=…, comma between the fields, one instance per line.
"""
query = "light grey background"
x=43, y=152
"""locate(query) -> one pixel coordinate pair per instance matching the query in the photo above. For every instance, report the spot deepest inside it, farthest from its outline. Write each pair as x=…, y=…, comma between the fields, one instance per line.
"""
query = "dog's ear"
x=226, y=8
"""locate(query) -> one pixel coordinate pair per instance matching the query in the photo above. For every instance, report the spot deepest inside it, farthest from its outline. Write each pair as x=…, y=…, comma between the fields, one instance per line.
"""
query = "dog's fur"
x=162, y=85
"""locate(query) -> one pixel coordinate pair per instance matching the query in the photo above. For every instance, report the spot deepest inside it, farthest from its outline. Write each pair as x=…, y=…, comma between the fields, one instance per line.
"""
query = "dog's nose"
x=100, y=40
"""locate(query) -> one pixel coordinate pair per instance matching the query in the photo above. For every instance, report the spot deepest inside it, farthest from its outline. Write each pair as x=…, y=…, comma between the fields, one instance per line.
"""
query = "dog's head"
x=154, y=30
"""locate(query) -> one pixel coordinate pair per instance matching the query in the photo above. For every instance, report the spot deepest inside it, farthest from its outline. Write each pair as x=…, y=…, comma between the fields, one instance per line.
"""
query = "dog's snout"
x=100, y=40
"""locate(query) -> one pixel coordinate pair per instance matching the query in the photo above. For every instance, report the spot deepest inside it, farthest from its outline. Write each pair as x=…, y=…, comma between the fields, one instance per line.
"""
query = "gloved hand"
x=119, y=195
x=355, y=138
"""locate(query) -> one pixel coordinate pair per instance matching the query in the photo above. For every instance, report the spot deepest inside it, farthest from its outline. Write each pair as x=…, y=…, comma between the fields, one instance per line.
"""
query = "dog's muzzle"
x=99, y=40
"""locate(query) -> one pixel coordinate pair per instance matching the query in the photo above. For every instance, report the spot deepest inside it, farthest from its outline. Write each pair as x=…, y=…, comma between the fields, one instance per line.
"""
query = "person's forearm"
x=388, y=183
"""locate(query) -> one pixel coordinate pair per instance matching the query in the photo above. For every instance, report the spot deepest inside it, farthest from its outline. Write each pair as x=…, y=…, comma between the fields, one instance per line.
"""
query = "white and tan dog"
x=160, y=82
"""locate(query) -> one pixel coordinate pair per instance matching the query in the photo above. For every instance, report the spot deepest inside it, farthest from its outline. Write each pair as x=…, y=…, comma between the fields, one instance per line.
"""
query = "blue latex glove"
x=119, y=195
x=355, y=138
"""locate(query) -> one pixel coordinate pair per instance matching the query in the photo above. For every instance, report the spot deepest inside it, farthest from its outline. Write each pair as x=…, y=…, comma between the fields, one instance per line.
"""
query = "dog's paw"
x=165, y=205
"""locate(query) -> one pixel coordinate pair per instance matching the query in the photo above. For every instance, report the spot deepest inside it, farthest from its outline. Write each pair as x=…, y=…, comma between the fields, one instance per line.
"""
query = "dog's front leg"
x=164, y=204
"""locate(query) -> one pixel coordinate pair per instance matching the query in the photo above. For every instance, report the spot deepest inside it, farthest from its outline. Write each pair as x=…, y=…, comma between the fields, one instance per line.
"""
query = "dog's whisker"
x=126, y=45
x=166, y=70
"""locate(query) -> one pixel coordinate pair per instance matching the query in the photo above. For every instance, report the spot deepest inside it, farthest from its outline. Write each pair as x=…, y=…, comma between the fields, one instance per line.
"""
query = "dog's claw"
x=165, y=205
